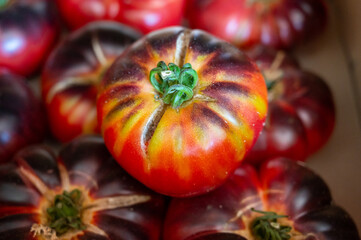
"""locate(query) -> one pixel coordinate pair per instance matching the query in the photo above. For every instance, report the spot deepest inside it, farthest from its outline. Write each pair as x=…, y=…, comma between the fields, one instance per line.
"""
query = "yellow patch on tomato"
x=124, y=129
x=68, y=104
x=260, y=104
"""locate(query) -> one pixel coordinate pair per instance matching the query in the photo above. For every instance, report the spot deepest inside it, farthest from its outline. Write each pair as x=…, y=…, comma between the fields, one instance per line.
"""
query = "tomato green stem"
x=65, y=212
x=266, y=227
x=174, y=84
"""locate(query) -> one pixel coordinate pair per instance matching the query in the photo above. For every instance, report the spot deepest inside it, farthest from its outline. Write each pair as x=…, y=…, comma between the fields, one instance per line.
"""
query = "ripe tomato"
x=274, y=23
x=144, y=15
x=296, y=204
x=22, y=119
x=301, y=113
x=72, y=73
x=80, y=194
x=28, y=30
x=181, y=130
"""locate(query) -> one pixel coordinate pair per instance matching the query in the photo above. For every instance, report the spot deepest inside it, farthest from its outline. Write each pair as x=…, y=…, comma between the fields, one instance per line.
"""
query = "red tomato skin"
x=277, y=23
x=88, y=166
x=280, y=185
x=72, y=73
x=193, y=149
x=143, y=15
x=22, y=117
x=301, y=115
x=28, y=31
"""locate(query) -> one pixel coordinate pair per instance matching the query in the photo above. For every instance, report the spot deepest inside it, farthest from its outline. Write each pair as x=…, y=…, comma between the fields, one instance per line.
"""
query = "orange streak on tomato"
x=193, y=148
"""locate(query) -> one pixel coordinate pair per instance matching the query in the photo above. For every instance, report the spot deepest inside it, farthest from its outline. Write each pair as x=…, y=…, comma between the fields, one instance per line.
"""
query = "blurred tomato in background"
x=28, y=30
x=144, y=15
x=246, y=23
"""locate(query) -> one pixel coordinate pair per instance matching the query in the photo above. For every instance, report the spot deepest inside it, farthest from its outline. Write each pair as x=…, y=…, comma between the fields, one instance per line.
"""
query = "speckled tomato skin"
x=195, y=148
x=71, y=110
x=144, y=15
x=280, y=185
x=90, y=166
x=246, y=23
x=22, y=117
x=28, y=31
x=301, y=115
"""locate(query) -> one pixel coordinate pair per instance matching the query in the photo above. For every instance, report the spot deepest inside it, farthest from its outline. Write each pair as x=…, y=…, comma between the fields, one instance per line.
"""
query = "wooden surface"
x=336, y=56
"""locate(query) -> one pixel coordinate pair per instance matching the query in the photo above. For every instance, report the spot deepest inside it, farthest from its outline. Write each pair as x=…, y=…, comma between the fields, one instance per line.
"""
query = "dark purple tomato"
x=22, y=119
x=79, y=194
x=282, y=200
x=301, y=114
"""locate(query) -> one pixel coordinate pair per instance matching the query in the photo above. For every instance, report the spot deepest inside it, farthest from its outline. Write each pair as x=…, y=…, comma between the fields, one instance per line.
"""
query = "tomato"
x=301, y=114
x=179, y=110
x=28, y=31
x=72, y=73
x=296, y=204
x=144, y=15
x=273, y=23
x=80, y=194
x=22, y=119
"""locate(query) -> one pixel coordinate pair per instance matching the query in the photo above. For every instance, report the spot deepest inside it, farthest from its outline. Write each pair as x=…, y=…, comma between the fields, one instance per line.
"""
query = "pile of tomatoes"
x=163, y=119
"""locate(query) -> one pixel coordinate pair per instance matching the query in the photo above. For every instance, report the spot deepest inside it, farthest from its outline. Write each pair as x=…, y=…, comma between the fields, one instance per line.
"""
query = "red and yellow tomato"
x=71, y=76
x=190, y=147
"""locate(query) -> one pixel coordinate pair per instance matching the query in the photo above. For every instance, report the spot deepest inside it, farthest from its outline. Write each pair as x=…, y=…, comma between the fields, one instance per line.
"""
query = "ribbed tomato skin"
x=301, y=114
x=88, y=166
x=280, y=185
x=192, y=149
x=246, y=23
x=72, y=73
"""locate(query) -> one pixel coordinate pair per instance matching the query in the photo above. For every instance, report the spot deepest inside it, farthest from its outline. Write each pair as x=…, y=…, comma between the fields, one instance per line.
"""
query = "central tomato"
x=179, y=109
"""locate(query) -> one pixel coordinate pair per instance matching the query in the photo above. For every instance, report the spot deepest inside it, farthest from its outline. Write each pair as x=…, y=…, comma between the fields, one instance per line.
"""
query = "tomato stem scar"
x=173, y=83
x=266, y=227
x=65, y=212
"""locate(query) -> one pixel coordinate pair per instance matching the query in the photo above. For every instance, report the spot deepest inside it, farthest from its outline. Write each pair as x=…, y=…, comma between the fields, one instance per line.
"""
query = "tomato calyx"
x=66, y=212
x=267, y=227
x=274, y=73
x=173, y=83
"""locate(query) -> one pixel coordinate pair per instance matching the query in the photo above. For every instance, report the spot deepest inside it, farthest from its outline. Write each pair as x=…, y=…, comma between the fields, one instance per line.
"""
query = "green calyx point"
x=173, y=83
x=266, y=227
x=65, y=212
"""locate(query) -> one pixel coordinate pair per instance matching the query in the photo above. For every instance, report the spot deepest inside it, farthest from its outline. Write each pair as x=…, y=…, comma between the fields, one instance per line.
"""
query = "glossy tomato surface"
x=28, y=30
x=274, y=23
x=73, y=72
x=22, y=119
x=113, y=206
x=192, y=148
x=282, y=186
x=301, y=114
x=144, y=15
